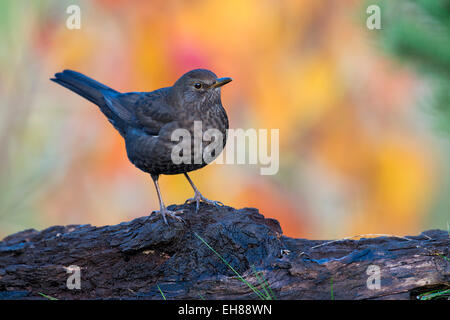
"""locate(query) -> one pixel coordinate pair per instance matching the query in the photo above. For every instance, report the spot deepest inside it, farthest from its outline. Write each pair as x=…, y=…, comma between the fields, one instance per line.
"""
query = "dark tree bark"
x=132, y=259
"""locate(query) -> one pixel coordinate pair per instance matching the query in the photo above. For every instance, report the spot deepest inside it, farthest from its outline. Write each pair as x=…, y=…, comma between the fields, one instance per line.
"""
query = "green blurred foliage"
x=417, y=32
x=28, y=160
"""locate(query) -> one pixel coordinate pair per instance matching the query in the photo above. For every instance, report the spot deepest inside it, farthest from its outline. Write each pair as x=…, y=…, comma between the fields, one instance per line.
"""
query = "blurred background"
x=364, y=115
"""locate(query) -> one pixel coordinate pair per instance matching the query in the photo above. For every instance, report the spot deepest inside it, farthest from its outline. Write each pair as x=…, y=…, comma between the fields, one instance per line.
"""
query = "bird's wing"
x=147, y=111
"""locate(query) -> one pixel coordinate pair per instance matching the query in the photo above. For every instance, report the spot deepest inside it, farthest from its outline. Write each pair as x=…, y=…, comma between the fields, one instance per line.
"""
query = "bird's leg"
x=163, y=210
x=199, y=197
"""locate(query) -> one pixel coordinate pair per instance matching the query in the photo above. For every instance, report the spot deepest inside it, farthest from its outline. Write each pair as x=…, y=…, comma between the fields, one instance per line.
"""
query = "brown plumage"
x=147, y=120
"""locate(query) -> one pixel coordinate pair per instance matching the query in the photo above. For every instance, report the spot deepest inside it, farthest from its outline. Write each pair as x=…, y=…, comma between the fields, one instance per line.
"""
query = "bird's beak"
x=220, y=82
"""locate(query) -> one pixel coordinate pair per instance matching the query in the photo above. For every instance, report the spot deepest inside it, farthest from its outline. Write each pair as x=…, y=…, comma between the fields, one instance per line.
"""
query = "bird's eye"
x=197, y=85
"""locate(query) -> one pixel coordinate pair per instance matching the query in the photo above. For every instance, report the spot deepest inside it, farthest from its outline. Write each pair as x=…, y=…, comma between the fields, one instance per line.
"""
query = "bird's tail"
x=84, y=86
x=93, y=91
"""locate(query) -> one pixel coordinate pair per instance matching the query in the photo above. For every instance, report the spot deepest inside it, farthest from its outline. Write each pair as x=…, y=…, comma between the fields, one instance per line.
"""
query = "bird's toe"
x=212, y=202
x=173, y=214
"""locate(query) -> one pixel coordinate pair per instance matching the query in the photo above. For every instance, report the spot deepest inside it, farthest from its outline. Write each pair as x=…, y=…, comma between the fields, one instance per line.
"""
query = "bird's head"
x=199, y=86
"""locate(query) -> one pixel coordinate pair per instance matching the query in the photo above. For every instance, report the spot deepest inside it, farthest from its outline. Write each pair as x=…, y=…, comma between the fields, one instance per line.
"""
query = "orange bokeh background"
x=355, y=156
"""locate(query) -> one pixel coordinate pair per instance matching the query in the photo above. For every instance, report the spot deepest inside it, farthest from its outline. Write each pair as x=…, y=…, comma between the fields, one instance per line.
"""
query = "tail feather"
x=93, y=91
x=84, y=86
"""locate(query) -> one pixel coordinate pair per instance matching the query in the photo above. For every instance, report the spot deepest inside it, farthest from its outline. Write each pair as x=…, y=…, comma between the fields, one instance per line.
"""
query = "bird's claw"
x=170, y=213
x=199, y=197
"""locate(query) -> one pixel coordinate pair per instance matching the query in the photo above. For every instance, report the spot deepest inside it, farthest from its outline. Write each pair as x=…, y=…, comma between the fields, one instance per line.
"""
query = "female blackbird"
x=147, y=121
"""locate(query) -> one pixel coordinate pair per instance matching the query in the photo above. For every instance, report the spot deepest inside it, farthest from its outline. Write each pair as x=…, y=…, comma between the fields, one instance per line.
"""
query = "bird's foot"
x=199, y=197
x=170, y=213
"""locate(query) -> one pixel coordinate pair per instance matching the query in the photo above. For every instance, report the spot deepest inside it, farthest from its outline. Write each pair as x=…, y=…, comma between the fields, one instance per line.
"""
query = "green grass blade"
x=46, y=296
x=258, y=293
x=264, y=284
x=162, y=293
x=332, y=294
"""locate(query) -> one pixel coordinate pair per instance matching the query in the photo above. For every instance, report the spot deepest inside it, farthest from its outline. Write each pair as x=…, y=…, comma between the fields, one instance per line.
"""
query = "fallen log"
x=217, y=253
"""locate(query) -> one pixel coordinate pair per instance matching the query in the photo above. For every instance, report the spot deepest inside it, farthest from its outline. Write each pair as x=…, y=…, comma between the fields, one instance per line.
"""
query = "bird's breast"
x=188, y=138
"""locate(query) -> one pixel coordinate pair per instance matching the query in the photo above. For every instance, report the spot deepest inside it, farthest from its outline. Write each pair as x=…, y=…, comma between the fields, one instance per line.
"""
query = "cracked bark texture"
x=130, y=260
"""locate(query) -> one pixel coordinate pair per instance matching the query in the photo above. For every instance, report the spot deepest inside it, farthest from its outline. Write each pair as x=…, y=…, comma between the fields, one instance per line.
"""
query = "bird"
x=147, y=121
